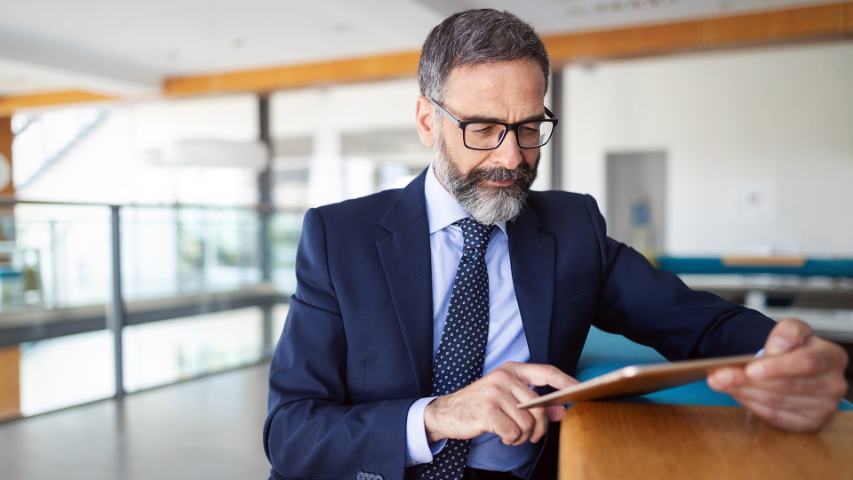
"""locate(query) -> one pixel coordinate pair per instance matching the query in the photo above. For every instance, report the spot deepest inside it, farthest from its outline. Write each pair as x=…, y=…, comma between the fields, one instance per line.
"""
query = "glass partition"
x=169, y=351
x=180, y=250
x=54, y=257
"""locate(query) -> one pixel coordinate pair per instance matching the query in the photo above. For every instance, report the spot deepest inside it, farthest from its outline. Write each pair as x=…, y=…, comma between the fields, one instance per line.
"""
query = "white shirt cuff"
x=418, y=449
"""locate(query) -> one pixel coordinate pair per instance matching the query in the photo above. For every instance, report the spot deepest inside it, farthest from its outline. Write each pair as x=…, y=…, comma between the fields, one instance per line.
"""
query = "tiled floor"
x=207, y=428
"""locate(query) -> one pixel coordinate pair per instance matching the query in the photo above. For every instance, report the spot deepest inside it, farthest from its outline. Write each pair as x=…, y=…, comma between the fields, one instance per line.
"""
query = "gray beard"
x=487, y=205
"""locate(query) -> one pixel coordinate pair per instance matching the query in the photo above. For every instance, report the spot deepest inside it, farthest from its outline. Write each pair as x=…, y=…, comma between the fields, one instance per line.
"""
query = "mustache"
x=522, y=175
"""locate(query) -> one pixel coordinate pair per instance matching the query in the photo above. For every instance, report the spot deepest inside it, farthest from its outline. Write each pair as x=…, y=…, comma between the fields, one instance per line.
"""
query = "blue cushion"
x=602, y=347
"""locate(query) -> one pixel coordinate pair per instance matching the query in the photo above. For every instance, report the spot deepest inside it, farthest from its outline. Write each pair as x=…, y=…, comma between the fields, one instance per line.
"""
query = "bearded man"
x=423, y=316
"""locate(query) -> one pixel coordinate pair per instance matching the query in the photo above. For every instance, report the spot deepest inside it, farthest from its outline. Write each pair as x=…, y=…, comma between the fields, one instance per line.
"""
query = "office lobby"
x=175, y=178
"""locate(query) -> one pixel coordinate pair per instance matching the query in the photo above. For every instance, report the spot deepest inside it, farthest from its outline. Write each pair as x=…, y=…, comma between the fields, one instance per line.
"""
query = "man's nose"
x=508, y=154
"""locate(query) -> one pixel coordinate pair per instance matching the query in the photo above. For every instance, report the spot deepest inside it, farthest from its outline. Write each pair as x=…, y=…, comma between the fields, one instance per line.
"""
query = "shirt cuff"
x=760, y=353
x=418, y=449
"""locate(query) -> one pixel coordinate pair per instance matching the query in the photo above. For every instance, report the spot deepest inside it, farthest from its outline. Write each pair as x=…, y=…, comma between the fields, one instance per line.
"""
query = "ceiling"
x=129, y=47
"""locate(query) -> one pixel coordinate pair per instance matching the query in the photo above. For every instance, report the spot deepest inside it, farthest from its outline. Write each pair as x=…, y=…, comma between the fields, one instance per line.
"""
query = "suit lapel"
x=405, y=257
x=532, y=258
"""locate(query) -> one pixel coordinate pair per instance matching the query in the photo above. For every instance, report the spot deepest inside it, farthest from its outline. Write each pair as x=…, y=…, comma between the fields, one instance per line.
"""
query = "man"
x=423, y=316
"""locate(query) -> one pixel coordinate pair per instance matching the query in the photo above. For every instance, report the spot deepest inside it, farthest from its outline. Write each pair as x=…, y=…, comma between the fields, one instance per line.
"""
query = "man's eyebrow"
x=488, y=119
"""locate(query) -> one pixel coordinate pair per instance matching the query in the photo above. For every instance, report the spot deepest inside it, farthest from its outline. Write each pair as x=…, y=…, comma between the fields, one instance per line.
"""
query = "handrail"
x=83, y=132
x=28, y=121
x=34, y=325
x=12, y=200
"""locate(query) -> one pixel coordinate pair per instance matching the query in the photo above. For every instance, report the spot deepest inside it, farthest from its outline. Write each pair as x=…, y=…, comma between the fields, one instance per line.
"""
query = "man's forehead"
x=519, y=83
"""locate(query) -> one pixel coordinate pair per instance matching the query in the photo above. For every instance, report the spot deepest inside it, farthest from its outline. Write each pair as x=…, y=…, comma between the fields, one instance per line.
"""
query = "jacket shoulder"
x=362, y=210
x=557, y=203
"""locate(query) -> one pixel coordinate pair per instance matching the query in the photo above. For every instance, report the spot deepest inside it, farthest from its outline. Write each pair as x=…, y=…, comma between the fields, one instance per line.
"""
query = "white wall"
x=773, y=122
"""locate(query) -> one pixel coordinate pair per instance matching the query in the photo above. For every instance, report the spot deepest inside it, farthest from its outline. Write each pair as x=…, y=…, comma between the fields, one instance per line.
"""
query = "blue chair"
x=606, y=352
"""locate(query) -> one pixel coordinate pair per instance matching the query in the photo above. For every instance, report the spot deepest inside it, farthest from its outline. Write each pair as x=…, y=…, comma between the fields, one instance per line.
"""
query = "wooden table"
x=607, y=440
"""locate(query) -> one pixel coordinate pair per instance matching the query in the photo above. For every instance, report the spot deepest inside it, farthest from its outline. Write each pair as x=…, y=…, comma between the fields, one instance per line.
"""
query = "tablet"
x=638, y=379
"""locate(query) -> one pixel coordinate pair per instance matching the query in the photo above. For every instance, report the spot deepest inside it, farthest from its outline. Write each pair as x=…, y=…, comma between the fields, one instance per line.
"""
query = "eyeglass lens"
x=489, y=135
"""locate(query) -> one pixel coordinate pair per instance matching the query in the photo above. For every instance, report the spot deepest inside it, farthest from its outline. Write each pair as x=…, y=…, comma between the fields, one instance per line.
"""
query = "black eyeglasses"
x=488, y=134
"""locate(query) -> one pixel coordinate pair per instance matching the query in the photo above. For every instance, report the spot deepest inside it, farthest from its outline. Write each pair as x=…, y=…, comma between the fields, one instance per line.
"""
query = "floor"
x=206, y=428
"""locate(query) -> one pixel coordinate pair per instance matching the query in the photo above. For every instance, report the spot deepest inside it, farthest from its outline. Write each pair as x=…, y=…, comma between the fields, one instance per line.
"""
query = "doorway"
x=636, y=199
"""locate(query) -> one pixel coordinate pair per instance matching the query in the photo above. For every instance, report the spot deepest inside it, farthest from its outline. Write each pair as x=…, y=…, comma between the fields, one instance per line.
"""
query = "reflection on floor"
x=207, y=428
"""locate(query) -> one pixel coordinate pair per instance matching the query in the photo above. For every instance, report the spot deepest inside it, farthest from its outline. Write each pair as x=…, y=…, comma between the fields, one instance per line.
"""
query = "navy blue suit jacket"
x=356, y=350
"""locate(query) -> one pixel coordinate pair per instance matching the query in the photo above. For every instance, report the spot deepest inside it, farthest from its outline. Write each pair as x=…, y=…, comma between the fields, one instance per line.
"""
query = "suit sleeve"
x=312, y=428
x=656, y=308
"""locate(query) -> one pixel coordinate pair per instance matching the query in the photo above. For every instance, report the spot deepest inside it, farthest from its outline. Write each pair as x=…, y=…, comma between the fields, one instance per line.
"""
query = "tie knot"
x=476, y=236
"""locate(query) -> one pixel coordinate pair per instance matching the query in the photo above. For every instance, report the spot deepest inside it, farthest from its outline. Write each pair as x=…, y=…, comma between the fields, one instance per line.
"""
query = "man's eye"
x=483, y=129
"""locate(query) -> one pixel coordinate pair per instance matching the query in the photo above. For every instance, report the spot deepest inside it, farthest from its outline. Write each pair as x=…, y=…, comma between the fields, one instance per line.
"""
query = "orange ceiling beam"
x=10, y=104
x=791, y=25
x=375, y=67
x=819, y=22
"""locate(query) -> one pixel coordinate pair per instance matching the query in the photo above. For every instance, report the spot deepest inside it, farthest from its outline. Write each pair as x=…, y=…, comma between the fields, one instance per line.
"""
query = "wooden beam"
x=11, y=104
x=819, y=22
x=6, y=138
x=10, y=385
x=795, y=24
x=10, y=357
x=375, y=67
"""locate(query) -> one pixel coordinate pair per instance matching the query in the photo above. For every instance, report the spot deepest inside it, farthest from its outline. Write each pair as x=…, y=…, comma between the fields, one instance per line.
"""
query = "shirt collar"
x=442, y=208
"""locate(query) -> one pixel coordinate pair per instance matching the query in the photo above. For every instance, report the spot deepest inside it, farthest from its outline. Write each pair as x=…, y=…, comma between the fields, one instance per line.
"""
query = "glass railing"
x=57, y=256
x=174, y=251
x=99, y=300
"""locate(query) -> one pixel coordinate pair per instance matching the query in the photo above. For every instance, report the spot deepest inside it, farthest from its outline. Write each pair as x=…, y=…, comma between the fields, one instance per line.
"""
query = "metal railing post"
x=265, y=201
x=116, y=314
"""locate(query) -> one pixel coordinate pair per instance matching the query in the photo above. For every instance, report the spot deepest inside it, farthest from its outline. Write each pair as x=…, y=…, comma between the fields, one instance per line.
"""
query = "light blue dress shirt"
x=506, y=340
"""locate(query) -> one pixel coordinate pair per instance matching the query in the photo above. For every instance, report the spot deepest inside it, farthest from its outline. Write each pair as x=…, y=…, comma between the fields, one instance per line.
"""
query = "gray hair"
x=474, y=37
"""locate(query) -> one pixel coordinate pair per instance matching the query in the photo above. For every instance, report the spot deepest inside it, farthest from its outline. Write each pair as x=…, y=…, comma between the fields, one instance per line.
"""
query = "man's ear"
x=424, y=121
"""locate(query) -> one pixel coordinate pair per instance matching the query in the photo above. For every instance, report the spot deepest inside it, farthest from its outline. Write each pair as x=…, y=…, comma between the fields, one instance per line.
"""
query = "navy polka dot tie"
x=459, y=360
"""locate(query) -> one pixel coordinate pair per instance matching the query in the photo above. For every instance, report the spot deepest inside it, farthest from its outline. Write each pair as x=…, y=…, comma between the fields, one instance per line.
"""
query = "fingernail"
x=777, y=345
x=755, y=370
x=724, y=378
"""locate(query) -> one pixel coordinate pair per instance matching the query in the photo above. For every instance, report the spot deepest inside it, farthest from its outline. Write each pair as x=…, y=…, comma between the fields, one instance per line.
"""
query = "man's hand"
x=797, y=386
x=489, y=405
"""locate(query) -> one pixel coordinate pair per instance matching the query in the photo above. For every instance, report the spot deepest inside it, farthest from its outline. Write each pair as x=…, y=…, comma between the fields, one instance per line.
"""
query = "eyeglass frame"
x=463, y=124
